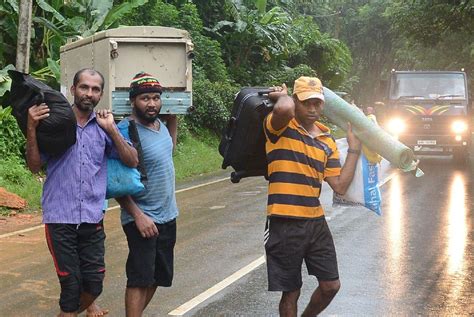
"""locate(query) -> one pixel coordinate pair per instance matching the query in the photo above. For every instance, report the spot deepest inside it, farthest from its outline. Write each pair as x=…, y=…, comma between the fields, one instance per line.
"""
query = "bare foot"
x=94, y=310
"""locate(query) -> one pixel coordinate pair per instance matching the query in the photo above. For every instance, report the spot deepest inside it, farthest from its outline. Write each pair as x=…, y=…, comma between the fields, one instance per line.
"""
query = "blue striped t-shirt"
x=158, y=200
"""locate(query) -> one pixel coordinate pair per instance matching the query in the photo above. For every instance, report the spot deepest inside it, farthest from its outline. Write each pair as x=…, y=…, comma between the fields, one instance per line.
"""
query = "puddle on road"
x=216, y=207
x=251, y=193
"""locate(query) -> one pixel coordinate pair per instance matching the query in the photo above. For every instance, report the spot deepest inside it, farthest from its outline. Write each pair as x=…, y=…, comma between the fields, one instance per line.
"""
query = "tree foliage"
x=8, y=32
x=329, y=57
x=401, y=34
x=252, y=38
x=367, y=32
x=350, y=44
x=12, y=141
x=433, y=34
x=429, y=22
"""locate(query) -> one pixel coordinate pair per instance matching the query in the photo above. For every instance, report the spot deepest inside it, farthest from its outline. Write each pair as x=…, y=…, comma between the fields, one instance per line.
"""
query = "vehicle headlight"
x=396, y=126
x=459, y=126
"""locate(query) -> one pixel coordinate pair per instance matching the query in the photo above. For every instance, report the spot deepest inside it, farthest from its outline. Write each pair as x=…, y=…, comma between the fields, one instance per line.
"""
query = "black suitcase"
x=243, y=141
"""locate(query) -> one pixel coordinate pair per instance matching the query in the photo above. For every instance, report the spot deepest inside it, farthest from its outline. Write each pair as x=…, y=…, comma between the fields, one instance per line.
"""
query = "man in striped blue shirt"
x=74, y=192
x=149, y=218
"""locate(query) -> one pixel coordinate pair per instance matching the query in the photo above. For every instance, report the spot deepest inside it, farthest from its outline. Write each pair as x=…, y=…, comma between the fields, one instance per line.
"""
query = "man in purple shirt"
x=74, y=192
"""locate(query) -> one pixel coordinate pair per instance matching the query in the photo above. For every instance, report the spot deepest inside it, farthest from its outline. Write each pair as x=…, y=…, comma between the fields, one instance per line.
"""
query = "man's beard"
x=83, y=104
x=146, y=117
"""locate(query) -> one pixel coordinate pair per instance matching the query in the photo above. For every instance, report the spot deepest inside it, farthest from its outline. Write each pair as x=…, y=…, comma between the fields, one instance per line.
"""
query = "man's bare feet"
x=94, y=310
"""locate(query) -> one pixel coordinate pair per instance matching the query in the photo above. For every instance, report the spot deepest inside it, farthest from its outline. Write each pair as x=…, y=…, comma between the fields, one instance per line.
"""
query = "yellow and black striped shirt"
x=297, y=166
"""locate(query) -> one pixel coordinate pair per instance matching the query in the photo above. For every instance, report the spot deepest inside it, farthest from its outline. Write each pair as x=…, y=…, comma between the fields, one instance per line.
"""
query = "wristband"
x=353, y=151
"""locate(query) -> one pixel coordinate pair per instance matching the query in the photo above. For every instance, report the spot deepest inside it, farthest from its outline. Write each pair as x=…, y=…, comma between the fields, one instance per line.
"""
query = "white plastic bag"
x=364, y=188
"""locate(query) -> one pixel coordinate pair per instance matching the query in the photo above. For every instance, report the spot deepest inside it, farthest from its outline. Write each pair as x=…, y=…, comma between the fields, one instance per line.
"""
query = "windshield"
x=428, y=86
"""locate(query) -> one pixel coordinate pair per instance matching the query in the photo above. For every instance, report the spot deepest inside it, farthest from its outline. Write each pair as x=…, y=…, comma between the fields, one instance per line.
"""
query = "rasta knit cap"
x=144, y=82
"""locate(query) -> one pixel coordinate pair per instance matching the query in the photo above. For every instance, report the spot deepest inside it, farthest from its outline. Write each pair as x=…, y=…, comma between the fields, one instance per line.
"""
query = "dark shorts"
x=78, y=255
x=289, y=242
x=150, y=261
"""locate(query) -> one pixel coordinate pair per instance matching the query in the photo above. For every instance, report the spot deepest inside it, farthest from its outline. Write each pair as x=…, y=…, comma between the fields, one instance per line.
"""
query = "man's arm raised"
x=284, y=108
x=35, y=115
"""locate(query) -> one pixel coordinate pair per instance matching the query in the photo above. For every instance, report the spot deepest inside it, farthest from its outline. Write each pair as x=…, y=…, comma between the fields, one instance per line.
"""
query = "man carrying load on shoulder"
x=149, y=218
x=74, y=192
x=301, y=154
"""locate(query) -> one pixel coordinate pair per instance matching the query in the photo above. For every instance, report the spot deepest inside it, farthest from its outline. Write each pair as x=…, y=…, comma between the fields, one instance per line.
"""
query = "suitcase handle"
x=236, y=176
x=267, y=103
x=229, y=128
x=265, y=92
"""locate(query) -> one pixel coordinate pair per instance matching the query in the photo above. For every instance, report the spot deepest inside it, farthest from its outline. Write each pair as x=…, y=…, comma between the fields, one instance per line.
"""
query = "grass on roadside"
x=16, y=178
x=197, y=154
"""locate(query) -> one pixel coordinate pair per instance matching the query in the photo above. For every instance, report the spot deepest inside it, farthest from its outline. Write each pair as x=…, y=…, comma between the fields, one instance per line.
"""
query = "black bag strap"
x=135, y=138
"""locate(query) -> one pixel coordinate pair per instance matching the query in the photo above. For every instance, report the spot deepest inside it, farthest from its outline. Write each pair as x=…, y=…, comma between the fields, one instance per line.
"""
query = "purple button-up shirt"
x=74, y=191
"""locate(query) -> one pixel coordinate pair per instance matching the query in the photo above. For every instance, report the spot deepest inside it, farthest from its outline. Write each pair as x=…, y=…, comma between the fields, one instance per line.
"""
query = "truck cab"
x=429, y=112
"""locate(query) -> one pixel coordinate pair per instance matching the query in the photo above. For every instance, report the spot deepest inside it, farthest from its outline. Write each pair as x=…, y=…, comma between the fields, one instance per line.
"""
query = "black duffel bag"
x=56, y=133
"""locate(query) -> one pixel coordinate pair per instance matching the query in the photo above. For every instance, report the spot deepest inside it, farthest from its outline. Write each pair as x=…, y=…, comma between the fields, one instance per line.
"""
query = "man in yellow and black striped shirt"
x=301, y=153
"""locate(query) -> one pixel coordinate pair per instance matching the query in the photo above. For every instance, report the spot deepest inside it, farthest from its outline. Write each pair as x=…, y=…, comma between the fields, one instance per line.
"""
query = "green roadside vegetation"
x=15, y=178
x=195, y=155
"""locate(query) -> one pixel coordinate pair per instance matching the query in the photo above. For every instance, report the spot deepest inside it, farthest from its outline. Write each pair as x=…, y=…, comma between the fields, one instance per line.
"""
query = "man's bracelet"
x=353, y=151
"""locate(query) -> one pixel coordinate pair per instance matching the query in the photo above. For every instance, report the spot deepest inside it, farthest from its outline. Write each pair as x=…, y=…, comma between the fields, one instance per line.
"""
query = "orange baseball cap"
x=308, y=87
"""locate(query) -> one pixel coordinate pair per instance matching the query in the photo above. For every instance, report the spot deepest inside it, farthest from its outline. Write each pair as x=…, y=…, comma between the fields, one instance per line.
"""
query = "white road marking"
x=110, y=208
x=183, y=309
x=201, y=185
x=5, y=235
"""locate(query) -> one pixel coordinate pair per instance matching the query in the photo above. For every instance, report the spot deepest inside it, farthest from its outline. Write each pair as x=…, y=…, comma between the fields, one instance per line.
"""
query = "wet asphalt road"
x=415, y=259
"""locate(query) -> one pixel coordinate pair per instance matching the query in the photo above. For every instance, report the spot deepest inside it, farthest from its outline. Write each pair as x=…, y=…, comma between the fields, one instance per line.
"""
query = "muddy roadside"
x=19, y=221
